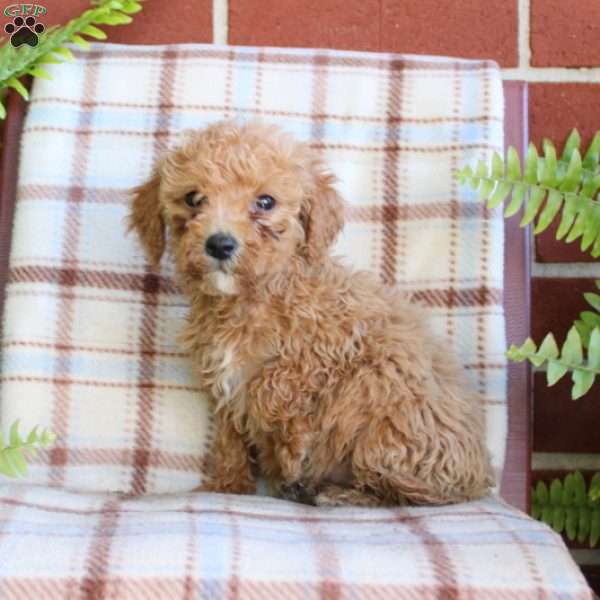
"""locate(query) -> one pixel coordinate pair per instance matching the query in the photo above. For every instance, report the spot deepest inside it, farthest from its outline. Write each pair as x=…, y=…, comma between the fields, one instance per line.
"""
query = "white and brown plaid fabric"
x=89, y=333
x=89, y=345
x=56, y=544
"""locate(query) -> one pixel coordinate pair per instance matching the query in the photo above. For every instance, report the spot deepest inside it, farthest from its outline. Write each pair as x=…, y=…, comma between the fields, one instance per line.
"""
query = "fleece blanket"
x=56, y=544
x=89, y=334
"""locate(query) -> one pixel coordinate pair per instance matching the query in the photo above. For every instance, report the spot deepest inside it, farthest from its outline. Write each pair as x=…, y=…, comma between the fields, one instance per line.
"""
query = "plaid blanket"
x=89, y=334
x=89, y=342
x=57, y=544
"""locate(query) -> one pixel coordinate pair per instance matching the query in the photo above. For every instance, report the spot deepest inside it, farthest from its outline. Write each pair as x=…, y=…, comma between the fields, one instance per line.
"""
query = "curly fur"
x=326, y=380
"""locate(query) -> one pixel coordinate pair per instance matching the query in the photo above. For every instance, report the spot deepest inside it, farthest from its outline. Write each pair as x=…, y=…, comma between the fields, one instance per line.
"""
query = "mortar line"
x=524, y=48
x=565, y=270
x=553, y=74
x=220, y=18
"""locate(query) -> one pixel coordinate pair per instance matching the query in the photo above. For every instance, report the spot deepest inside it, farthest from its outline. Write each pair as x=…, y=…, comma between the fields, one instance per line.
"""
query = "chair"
x=139, y=545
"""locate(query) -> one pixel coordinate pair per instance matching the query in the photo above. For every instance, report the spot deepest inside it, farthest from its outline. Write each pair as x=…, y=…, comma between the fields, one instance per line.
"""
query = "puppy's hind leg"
x=387, y=469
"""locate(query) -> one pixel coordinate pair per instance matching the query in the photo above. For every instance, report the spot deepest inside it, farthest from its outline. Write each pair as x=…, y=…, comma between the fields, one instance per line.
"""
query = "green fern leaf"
x=33, y=436
x=569, y=212
x=17, y=85
x=573, y=143
x=115, y=18
x=531, y=165
x=65, y=53
x=549, y=172
x=15, y=456
x=593, y=300
x=585, y=522
x=555, y=371
x=558, y=519
x=595, y=527
x=518, y=195
x=47, y=438
x=131, y=7
x=572, y=351
x=590, y=318
x=482, y=170
x=486, y=189
x=595, y=251
x=594, y=493
x=591, y=184
x=572, y=178
x=548, y=515
x=556, y=491
x=590, y=160
x=548, y=349
x=502, y=190
x=551, y=208
x=82, y=43
x=579, y=225
x=587, y=323
x=13, y=436
x=533, y=205
x=582, y=382
x=513, y=165
x=536, y=510
x=579, y=484
x=12, y=457
x=541, y=493
x=6, y=467
x=94, y=32
x=518, y=354
x=39, y=72
x=591, y=228
x=497, y=166
x=571, y=522
x=49, y=59
x=569, y=490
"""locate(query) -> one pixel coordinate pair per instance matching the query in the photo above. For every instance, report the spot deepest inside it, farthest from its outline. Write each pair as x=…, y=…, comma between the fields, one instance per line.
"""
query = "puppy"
x=323, y=379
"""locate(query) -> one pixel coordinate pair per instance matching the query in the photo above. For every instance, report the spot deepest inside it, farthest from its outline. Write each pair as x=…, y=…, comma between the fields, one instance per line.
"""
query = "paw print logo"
x=24, y=31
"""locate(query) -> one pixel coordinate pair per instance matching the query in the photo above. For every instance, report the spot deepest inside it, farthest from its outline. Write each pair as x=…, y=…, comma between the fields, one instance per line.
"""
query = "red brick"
x=311, y=23
x=411, y=26
x=564, y=33
x=158, y=23
x=556, y=304
x=561, y=424
x=554, y=110
x=470, y=28
x=550, y=250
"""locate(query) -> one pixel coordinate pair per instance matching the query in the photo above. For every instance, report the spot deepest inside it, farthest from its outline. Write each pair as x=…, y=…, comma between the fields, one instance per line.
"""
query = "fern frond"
x=12, y=455
x=26, y=60
x=589, y=320
x=568, y=507
x=564, y=187
x=571, y=358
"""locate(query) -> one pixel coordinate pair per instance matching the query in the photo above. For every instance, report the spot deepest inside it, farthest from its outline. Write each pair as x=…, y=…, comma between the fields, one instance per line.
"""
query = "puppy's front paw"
x=297, y=492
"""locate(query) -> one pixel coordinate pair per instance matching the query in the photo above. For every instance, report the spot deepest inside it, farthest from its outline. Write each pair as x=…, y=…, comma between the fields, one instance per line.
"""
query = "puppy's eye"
x=265, y=202
x=193, y=199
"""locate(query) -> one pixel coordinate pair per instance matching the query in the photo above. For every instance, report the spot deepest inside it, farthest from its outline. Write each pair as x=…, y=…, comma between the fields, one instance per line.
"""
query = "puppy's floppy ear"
x=321, y=215
x=146, y=218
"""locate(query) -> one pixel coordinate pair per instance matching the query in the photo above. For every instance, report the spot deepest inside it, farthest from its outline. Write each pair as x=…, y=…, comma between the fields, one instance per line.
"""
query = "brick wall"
x=553, y=44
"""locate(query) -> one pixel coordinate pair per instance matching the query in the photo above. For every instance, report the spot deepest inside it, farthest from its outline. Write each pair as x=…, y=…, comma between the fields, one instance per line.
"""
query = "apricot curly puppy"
x=326, y=380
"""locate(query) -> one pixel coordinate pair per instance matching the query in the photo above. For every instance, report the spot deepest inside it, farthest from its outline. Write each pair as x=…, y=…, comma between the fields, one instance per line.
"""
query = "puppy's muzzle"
x=221, y=246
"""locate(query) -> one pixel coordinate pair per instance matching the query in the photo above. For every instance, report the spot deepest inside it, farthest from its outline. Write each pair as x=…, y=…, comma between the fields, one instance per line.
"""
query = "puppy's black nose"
x=221, y=246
